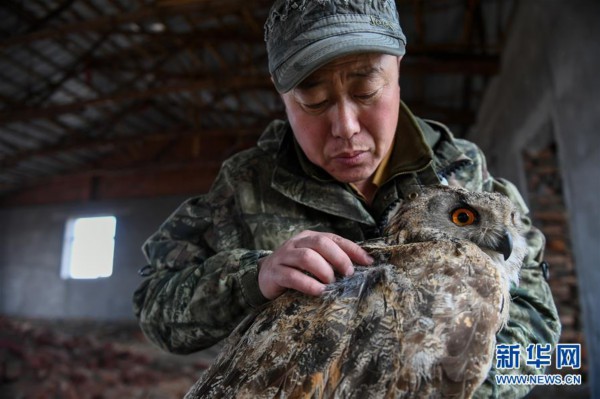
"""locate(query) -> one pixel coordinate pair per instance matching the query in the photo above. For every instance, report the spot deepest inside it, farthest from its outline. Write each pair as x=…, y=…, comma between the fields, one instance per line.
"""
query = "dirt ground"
x=42, y=359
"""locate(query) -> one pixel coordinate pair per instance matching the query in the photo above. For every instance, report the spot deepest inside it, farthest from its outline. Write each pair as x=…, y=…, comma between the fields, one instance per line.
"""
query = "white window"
x=89, y=247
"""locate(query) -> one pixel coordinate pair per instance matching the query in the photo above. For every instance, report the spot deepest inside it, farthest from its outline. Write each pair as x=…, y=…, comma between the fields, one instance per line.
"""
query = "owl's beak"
x=505, y=245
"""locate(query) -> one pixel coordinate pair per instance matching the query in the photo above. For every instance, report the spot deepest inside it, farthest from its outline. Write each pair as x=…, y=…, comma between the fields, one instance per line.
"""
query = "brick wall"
x=549, y=213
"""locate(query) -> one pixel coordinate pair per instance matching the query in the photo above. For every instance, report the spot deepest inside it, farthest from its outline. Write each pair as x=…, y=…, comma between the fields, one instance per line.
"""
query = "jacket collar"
x=411, y=151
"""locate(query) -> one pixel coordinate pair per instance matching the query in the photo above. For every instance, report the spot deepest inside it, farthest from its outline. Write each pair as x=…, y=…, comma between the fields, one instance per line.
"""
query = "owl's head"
x=490, y=220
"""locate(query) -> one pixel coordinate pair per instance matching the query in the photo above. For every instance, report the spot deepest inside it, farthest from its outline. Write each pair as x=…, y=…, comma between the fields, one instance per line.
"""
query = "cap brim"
x=299, y=66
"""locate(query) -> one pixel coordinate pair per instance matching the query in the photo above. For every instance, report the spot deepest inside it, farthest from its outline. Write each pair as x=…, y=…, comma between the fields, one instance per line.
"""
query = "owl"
x=419, y=323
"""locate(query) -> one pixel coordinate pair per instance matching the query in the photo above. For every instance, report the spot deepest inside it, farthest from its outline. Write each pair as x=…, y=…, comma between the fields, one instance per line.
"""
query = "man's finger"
x=299, y=281
x=331, y=254
x=313, y=262
x=354, y=251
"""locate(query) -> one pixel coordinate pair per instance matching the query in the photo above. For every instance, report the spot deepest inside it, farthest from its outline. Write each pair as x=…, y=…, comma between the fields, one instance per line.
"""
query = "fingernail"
x=323, y=288
x=370, y=259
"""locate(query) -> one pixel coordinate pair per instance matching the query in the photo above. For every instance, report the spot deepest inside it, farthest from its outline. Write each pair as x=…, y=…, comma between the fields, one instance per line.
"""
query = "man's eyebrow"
x=365, y=72
x=309, y=83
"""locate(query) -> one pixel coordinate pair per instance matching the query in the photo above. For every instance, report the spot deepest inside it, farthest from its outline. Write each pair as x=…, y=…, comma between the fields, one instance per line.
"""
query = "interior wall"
x=549, y=89
x=31, y=244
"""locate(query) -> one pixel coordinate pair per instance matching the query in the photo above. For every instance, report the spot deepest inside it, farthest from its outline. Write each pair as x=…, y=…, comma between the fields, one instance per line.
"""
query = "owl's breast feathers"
x=420, y=324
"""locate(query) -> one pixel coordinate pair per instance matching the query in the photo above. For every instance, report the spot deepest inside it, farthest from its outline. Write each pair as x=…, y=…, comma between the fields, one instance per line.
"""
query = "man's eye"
x=367, y=96
x=315, y=106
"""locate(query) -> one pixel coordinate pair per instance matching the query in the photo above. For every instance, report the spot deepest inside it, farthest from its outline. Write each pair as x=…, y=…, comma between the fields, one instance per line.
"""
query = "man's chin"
x=351, y=178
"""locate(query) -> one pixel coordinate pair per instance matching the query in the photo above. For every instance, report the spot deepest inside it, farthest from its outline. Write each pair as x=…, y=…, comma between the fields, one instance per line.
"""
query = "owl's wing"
x=452, y=313
x=342, y=344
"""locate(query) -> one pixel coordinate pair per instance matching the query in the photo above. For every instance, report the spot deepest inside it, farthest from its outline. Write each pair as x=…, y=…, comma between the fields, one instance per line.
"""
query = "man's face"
x=344, y=115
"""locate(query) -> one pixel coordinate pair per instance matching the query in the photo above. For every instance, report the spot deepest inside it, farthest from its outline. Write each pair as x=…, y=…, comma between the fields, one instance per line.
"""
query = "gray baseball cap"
x=304, y=35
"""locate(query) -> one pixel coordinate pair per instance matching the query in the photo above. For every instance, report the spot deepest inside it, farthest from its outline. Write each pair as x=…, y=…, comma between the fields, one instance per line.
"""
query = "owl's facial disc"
x=504, y=245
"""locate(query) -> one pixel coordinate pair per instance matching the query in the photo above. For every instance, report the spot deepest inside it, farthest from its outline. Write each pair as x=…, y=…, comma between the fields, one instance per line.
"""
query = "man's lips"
x=350, y=157
x=349, y=153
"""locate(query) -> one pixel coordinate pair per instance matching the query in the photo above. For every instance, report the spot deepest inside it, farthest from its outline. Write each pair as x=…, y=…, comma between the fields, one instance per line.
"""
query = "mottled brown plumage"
x=421, y=322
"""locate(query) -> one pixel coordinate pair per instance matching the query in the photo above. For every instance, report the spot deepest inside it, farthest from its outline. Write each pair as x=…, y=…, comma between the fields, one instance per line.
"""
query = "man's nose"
x=344, y=123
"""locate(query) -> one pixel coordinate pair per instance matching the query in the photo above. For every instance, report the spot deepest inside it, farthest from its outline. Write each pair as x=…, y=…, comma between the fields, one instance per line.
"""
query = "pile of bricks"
x=550, y=215
x=40, y=361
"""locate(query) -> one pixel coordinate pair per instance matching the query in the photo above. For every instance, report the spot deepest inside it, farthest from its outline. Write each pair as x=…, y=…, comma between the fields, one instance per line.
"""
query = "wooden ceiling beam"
x=81, y=143
x=71, y=72
x=189, y=178
x=109, y=22
x=209, y=83
x=412, y=64
x=34, y=22
x=224, y=33
x=68, y=73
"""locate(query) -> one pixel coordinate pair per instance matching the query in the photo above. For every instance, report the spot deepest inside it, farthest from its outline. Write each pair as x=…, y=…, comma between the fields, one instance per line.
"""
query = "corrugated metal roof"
x=89, y=84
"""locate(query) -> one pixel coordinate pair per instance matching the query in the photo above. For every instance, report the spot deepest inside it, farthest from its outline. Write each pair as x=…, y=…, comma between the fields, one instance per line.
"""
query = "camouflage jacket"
x=203, y=260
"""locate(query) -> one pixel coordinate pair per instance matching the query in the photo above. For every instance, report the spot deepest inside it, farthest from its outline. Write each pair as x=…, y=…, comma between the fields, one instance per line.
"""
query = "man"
x=286, y=213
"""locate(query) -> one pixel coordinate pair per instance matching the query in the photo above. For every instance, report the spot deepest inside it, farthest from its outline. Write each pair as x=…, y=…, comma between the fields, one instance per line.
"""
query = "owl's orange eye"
x=463, y=217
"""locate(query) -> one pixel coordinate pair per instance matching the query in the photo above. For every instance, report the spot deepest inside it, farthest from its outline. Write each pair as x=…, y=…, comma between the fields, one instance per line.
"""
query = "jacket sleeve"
x=533, y=315
x=201, y=281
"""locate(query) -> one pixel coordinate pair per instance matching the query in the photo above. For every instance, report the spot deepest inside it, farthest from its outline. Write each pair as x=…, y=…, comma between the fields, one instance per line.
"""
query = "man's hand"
x=307, y=262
